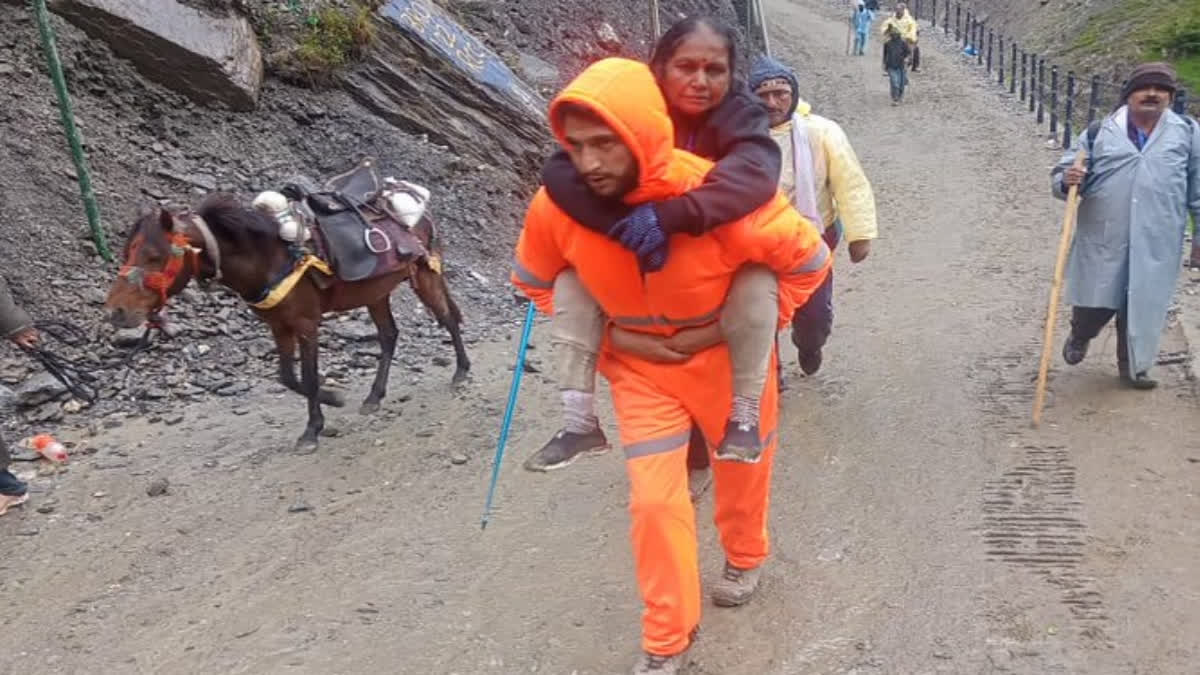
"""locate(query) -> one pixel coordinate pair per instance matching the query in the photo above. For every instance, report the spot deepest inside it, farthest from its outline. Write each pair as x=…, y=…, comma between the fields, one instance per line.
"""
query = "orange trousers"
x=657, y=406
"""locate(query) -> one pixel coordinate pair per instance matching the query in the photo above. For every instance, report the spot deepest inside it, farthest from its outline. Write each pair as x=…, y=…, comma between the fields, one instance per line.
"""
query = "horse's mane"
x=229, y=219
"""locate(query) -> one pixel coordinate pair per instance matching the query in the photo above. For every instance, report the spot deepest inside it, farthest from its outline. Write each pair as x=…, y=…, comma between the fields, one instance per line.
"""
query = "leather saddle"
x=355, y=233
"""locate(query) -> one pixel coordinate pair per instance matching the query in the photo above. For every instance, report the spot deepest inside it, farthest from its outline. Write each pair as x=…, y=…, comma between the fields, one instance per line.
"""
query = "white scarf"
x=804, y=194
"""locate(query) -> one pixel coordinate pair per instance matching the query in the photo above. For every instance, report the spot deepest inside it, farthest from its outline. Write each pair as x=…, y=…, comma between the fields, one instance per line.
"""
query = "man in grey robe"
x=1141, y=179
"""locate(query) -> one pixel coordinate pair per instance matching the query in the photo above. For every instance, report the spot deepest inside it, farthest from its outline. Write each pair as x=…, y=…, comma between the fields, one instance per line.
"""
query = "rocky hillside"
x=147, y=145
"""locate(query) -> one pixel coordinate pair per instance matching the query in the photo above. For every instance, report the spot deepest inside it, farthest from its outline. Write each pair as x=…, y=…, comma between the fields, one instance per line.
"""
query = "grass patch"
x=1179, y=42
x=333, y=39
x=1148, y=30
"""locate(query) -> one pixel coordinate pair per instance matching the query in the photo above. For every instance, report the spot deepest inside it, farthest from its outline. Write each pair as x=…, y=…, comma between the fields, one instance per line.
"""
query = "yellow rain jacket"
x=842, y=187
x=907, y=26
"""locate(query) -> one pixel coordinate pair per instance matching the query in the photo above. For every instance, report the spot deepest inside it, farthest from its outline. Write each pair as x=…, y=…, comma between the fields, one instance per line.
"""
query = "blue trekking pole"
x=508, y=413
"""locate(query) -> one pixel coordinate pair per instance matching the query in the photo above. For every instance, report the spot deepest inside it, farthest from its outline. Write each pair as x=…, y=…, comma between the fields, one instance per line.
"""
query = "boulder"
x=539, y=72
x=210, y=59
x=425, y=74
x=39, y=389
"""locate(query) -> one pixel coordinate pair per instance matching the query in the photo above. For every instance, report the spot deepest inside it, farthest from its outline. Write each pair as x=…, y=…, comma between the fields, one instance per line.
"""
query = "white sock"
x=745, y=410
x=579, y=414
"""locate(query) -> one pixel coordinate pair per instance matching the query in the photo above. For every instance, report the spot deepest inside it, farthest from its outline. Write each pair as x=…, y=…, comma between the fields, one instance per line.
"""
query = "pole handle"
x=1064, y=247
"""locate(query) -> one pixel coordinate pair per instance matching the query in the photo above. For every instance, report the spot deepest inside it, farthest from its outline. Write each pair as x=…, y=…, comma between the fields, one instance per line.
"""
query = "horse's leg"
x=310, y=383
x=285, y=344
x=381, y=314
x=462, y=362
x=431, y=288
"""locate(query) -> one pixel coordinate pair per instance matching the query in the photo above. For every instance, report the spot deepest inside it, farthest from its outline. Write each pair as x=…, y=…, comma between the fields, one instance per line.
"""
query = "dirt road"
x=919, y=526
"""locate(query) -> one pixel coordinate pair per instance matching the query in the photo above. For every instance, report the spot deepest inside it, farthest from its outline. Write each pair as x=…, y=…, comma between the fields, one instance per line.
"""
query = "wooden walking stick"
x=1064, y=245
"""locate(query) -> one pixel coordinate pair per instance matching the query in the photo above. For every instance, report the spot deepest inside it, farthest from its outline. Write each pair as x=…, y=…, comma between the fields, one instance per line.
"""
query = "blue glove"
x=641, y=233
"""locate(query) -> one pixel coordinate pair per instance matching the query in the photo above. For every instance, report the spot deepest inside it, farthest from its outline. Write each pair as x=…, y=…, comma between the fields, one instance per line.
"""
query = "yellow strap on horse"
x=285, y=285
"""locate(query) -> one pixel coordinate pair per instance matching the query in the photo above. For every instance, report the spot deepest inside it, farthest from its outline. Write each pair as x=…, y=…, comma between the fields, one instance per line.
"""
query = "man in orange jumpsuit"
x=613, y=122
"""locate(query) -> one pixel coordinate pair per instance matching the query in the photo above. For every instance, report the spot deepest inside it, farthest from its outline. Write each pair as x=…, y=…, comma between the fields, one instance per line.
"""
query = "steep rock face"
x=426, y=75
x=208, y=58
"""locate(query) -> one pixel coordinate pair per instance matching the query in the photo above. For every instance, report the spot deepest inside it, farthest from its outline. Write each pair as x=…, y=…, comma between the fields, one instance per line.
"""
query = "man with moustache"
x=821, y=175
x=1137, y=187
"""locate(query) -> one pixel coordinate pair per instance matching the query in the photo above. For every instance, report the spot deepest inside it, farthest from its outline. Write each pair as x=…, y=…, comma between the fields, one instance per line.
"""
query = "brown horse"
x=240, y=248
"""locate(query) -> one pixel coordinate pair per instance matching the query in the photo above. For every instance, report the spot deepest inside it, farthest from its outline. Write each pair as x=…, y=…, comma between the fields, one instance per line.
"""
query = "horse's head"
x=159, y=262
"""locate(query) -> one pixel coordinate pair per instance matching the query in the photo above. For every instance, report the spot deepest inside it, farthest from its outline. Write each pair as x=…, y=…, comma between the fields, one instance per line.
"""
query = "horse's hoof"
x=460, y=376
x=369, y=408
x=306, y=446
x=333, y=398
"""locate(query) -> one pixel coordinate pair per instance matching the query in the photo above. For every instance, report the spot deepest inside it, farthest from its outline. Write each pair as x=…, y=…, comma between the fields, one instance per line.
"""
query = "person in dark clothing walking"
x=16, y=325
x=895, y=55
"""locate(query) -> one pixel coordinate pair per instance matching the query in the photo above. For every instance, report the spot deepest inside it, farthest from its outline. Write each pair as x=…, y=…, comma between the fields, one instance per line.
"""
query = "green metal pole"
x=68, y=122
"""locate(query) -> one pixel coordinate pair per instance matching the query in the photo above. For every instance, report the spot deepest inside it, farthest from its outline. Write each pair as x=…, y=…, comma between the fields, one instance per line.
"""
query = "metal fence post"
x=1000, y=65
x=1033, y=61
x=1012, y=80
x=957, y=21
x=1041, y=90
x=1024, y=74
x=1070, y=109
x=979, y=46
x=1053, y=101
x=1094, y=99
x=933, y=15
x=991, y=42
x=67, y=118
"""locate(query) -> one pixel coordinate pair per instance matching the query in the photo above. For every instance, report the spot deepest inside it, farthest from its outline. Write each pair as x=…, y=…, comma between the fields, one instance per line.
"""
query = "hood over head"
x=766, y=69
x=624, y=94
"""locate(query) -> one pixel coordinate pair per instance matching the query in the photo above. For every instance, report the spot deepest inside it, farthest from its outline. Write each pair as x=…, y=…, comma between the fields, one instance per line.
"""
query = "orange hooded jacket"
x=658, y=404
x=690, y=289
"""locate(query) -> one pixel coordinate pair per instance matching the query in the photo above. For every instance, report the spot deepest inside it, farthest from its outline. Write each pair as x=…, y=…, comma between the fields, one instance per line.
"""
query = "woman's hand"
x=650, y=347
x=674, y=349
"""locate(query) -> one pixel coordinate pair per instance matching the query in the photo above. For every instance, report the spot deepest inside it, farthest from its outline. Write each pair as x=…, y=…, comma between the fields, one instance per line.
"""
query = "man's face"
x=900, y=10
x=778, y=97
x=1151, y=101
x=606, y=164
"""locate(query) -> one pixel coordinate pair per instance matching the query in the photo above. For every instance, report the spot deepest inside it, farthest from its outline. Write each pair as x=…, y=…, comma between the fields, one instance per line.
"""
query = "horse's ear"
x=167, y=220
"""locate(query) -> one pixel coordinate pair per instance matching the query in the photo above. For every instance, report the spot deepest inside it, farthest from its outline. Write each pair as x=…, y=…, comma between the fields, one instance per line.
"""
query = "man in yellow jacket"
x=613, y=122
x=823, y=178
x=908, y=28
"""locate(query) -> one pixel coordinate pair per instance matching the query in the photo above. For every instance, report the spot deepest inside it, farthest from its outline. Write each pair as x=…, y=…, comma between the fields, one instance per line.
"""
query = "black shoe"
x=741, y=443
x=566, y=447
x=1074, y=350
x=11, y=486
x=810, y=362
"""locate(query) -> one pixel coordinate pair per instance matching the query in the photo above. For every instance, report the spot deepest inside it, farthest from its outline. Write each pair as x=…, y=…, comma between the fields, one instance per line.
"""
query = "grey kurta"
x=1128, y=245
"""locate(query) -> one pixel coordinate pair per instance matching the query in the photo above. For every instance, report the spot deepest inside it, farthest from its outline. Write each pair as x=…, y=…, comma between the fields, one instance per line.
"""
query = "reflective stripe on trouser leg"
x=741, y=492
x=577, y=331
x=654, y=431
x=748, y=323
